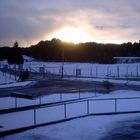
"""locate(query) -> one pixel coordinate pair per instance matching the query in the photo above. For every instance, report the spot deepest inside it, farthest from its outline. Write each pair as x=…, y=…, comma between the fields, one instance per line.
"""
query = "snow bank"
x=17, y=84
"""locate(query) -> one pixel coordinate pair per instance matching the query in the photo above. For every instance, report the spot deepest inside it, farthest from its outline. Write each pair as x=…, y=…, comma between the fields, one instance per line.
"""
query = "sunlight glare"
x=71, y=34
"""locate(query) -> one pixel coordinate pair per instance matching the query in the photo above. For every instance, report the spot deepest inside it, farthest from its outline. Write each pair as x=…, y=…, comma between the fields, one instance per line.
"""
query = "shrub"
x=24, y=75
x=107, y=85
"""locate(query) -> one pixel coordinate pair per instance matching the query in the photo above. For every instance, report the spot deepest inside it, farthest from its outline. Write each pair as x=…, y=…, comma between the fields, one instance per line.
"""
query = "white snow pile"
x=16, y=84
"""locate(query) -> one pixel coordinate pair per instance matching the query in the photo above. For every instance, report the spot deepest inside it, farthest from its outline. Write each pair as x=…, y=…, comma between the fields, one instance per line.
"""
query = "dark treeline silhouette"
x=4, y=52
x=12, y=54
x=56, y=50
x=15, y=55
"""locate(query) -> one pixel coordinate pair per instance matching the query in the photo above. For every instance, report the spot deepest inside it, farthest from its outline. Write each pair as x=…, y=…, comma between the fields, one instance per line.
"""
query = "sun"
x=71, y=34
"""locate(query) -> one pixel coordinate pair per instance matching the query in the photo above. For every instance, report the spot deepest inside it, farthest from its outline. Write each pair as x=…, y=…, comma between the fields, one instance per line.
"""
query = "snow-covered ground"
x=115, y=81
x=6, y=79
x=101, y=104
x=87, y=69
x=90, y=70
x=88, y=128
x=16, y=84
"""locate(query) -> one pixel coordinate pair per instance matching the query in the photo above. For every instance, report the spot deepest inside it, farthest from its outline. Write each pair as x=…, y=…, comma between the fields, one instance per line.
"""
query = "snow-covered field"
x=87, y=69
x=83, y=70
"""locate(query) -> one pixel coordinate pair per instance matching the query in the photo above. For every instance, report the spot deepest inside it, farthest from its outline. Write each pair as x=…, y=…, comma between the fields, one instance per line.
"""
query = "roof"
x=28, y=58
x=127, y=58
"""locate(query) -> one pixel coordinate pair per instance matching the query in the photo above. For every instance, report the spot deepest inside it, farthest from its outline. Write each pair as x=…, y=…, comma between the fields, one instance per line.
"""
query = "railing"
x=69, y=110
x=16, y=102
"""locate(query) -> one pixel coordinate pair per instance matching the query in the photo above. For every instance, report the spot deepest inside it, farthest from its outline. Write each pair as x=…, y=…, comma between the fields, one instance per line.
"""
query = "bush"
x=108, y=85
x=24, y=75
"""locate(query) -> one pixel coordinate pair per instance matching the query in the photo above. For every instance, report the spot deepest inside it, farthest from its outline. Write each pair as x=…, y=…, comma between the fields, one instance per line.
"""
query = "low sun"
x=70, y=34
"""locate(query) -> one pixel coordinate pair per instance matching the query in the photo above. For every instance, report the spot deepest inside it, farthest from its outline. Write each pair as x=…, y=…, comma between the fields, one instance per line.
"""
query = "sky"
x=107, y=21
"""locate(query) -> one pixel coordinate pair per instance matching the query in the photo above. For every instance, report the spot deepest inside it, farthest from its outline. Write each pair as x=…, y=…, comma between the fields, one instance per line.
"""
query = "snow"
x=115, y=81
x=50, y=114
x=76, y=109
x=6, y=79
x=120, y=94
x=100, y=104
x=17, y=84
x=88, y=128
x=87, y=69
x=9, y=102
x=17, y=120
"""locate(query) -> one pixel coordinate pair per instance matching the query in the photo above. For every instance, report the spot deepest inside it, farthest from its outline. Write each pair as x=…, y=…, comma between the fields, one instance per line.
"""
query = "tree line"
x=13, y=55
x=57, y=50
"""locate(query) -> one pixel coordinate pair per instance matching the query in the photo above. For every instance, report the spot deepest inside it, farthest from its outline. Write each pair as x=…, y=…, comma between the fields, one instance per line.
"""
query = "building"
x=28, y=59
x=127, y=59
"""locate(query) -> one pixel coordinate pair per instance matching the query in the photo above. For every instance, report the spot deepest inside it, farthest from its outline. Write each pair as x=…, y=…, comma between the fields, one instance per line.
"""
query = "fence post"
x=87, y=107
x=95, y=90
x=118, y=74
x=65, y=111
x=34, y=116
x=79, y=93
x=91, y=72
x=137, y=71
x=115, y=105
x=40, y=100
x=62, y=74
x=96, y=71
x=15, y=102
x=60, y=96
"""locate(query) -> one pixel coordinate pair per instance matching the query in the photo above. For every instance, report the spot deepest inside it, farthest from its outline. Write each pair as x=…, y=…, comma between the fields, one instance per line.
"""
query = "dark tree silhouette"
x=15, y=57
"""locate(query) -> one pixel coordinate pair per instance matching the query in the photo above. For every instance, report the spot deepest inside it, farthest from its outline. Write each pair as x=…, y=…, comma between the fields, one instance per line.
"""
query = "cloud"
x=29, y=21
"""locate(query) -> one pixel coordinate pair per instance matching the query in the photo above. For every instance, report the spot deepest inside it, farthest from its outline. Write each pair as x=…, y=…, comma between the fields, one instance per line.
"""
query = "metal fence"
x=79, y=70
x=16, y=102
x=68, y=110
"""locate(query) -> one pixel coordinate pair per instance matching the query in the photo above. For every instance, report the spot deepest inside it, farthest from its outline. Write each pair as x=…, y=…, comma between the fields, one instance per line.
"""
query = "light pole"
x=62, y=63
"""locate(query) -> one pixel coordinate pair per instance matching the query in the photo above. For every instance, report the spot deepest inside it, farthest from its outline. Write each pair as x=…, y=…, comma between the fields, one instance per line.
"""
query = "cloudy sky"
x=29, y=21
